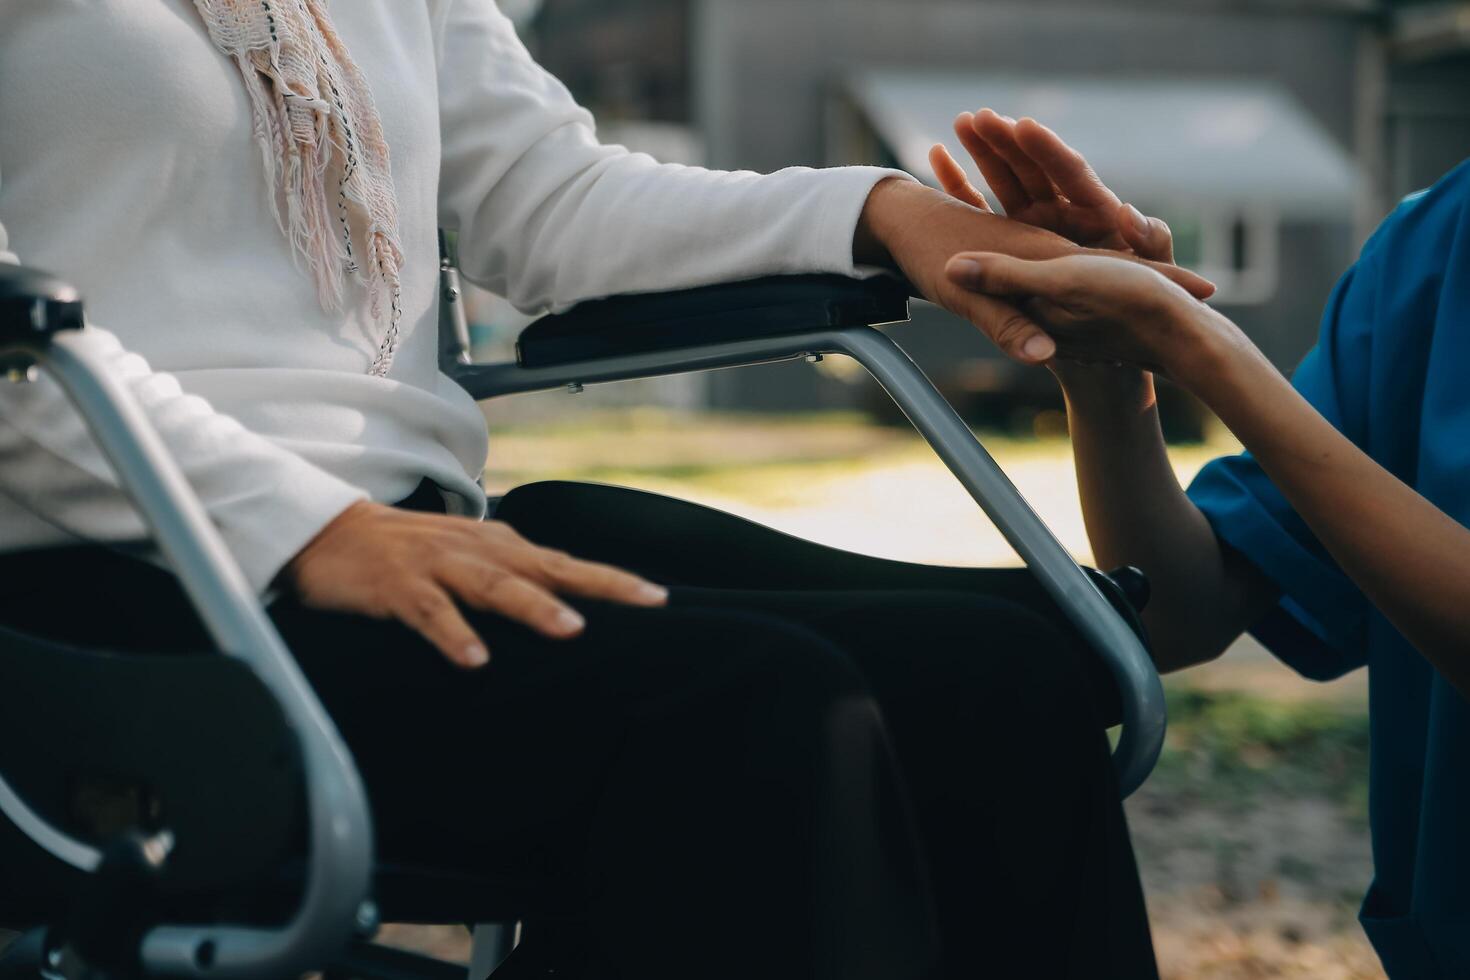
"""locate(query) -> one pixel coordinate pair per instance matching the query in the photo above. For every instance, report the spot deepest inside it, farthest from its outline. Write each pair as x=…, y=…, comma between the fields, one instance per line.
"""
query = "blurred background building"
x=1271, y=134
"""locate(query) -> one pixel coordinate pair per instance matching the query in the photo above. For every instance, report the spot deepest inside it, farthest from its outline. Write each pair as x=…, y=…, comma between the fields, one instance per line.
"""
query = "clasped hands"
x=1076, y=279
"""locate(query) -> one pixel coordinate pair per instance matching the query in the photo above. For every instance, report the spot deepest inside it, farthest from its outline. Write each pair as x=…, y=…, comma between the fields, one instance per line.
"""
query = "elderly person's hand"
x=918, y=229
x=1039, y=180
x=420, y=569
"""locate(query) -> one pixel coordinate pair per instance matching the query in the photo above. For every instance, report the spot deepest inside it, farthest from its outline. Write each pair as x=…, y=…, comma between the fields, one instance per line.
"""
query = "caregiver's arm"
x=1408, y=557
x=548, y=216
x=1204, y=595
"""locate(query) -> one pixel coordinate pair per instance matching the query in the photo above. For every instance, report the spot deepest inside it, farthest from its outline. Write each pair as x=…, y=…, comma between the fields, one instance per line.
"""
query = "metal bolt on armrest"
x=34, y=307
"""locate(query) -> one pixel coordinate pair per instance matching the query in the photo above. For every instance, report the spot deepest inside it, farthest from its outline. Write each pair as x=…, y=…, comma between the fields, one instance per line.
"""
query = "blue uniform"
x=1391, y=370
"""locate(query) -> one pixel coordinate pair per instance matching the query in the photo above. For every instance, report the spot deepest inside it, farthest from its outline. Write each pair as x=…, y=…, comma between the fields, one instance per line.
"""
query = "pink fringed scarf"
x=326, y=160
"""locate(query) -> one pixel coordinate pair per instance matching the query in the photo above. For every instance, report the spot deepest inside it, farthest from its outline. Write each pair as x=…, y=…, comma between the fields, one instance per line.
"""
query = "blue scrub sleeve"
x=1318, y=628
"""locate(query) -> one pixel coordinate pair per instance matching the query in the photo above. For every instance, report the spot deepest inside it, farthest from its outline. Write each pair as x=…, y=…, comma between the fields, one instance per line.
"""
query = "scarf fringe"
x=327, y=167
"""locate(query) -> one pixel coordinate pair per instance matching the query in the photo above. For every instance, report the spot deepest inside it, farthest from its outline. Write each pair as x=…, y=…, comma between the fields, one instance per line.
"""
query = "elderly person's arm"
x=266, y=501
x=287, y=521
x=549, y=216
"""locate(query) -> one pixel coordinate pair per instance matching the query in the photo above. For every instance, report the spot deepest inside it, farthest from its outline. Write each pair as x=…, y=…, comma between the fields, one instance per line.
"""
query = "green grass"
x=1231, y=748
x=608, y=422
x=764, y=483
x=745, y=454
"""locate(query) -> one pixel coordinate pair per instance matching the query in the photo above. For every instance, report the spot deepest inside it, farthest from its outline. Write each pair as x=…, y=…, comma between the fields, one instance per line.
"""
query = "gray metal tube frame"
x=1144, y=716
x=492, y=943
x=339, y=866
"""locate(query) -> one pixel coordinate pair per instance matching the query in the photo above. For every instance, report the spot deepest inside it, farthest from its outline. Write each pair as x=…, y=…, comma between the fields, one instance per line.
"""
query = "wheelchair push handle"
x=41, y=324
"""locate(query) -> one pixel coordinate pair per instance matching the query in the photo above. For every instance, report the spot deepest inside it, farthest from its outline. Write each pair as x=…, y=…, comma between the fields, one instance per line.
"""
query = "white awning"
x=1156, y=141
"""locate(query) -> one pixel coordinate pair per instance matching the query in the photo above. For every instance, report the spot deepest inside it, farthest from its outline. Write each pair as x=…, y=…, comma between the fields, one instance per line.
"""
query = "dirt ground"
x=1270, y=891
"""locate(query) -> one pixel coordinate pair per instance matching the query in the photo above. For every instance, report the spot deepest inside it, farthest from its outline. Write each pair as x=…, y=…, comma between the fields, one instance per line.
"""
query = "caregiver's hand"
x=1067, y=197
x=1409, y=558
x=918, y=229
x=392, y=564
x=1102, y=309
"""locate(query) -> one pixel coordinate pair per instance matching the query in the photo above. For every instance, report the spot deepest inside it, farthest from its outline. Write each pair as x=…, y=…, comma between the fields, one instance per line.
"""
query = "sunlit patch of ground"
x=833, y=479
x=1251, y=836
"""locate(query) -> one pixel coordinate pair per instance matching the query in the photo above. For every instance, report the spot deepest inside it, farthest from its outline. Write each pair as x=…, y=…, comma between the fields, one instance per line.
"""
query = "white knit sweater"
x=127, y=166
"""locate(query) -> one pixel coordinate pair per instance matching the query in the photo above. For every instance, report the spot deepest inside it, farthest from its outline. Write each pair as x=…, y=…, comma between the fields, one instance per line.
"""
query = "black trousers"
x=810, y=765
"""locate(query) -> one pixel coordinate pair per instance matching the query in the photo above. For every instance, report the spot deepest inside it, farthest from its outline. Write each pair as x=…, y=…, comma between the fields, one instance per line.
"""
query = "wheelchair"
x=225, y=834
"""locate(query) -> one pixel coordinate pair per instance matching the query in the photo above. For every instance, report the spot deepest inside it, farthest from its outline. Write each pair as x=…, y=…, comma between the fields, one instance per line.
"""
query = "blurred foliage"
x=1228, y=747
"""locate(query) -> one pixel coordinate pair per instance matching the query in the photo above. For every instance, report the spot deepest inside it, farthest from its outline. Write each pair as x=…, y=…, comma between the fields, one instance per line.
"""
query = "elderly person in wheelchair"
x=671, y=743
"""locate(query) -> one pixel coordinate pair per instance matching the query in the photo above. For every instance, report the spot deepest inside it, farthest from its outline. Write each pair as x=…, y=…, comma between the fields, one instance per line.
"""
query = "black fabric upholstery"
x=85, y=734
x=769, y=307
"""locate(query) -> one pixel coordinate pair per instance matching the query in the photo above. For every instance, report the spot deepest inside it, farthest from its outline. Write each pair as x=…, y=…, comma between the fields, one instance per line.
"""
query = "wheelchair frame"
x=39, y=317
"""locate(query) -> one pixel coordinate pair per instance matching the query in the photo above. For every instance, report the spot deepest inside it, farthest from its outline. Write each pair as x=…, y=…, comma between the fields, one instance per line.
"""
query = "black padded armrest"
x=770, y=307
